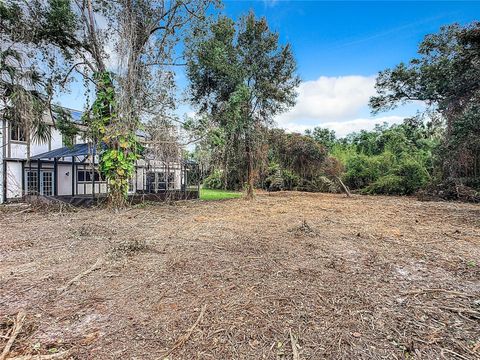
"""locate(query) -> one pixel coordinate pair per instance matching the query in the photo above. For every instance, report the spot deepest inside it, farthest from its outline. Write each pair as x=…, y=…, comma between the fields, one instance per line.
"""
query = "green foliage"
x=119, y=145
x=389, y=160
x=240, y=78
x=414, y=175
x=274, y=180
x=444, y=76
x=214, y=180
x=65, y=125
x=290, y=179
x=323, y=136
x=361, y=170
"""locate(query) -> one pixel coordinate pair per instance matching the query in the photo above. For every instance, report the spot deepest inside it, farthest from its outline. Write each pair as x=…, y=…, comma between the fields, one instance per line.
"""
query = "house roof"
x=75, y=150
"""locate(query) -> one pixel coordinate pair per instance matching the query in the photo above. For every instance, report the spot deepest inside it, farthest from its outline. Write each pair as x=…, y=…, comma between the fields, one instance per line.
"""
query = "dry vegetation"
x=288, y=276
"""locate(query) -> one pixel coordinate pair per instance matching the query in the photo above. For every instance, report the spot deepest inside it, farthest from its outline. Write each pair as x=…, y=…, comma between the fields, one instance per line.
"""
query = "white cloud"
x=337, y=103
x=343, y=128
x=330, y=99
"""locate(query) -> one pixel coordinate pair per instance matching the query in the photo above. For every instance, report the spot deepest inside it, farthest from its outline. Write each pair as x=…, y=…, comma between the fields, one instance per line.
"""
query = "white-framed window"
x=17, y=133
x=131, y=187
x=46, y=182
x=31, y=182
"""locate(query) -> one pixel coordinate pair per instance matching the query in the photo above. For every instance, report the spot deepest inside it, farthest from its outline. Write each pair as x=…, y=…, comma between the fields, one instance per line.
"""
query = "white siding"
x=56, y=141
x=14, y=180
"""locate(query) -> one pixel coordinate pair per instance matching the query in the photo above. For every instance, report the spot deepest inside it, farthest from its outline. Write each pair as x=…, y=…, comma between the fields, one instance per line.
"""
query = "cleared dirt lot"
x=334, y=277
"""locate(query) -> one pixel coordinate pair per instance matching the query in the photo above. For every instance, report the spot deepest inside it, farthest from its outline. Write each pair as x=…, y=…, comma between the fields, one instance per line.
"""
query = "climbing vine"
x=118, y=145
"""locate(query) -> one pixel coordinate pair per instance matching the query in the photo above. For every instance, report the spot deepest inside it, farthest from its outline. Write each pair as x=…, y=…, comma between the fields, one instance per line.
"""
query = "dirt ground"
x=287, y=276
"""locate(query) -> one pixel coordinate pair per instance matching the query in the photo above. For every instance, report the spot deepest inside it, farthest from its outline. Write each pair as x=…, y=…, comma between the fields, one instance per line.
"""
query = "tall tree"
x=25, y=90
x=446, y=77
x=241, y=77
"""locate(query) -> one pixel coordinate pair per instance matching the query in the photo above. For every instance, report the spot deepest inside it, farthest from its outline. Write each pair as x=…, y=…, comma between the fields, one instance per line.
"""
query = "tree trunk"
x=249, y=194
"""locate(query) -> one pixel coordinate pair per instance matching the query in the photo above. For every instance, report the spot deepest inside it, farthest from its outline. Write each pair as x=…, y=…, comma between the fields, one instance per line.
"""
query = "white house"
x=55, y=170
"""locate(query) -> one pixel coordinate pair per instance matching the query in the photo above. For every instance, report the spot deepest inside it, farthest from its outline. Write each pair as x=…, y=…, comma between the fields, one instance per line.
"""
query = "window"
x=86, y=176
x=32, y=182
x=131, y=188
x=17, y=133
x=171, y=180
x=47, y=183
x=161, y=181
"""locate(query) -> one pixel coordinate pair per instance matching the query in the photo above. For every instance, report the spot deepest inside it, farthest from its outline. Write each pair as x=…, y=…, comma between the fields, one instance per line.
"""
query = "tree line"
x=437, y=150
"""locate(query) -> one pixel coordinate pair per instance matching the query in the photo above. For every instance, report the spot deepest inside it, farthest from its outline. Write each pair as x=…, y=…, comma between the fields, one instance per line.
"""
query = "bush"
x=290, y=179
x=214, y=180
x=324, y=184
x=405, y=178
x=388, y=184
x=362, y=170
x=274, y=182
x=414, y=175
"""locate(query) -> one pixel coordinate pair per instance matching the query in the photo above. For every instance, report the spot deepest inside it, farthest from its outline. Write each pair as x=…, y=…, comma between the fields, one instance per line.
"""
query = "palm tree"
x=24, y=102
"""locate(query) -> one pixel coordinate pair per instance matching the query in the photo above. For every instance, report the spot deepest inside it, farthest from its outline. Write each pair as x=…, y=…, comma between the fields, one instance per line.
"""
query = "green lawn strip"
x=209, y=194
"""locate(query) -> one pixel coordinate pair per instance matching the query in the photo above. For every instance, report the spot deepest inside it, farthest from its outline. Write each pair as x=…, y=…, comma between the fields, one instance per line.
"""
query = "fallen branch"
x=343, y=186
x=96, y=266
x=425, y=291
x=17, y=326
x=296, y=355
x=461, y=310
x=455, y=354
x=184, y=338
x=57, y=356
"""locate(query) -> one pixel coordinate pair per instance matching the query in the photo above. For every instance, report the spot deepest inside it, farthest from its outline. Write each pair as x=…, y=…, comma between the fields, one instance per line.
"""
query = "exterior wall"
x=56, y=140
x=14, y=179
x=13, y=152
x=86, y=188
x=18, y=149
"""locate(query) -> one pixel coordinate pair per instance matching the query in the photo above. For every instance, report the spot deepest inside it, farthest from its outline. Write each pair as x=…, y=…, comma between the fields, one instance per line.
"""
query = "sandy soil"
x=287, y=276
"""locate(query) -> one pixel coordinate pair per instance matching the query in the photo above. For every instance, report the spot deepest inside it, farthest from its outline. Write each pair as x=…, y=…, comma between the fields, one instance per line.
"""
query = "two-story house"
x=53, y=169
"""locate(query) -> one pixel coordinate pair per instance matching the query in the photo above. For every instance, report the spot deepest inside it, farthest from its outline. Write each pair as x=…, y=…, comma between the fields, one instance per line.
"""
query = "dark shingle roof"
x=75, y=150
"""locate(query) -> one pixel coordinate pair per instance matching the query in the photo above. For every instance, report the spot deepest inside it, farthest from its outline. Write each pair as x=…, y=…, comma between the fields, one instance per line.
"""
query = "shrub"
x=413, y=174
x=214, y=180
x=290, y=179
x=361, y=170
x=388, y=184
x=274, y=182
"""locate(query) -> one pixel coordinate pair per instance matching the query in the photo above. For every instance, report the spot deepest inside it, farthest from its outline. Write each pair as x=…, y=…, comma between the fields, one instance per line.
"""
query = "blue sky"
x=340, y=46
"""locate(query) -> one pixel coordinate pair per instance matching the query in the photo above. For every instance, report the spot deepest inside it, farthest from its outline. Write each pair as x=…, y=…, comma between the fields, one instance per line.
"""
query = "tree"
x=241, y=77
x=24, y=90
x=446, y=77
x=323, y=136
x=144, y=35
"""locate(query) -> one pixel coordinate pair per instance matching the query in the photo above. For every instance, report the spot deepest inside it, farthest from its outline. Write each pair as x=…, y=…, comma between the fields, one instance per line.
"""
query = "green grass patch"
x=209, y=194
